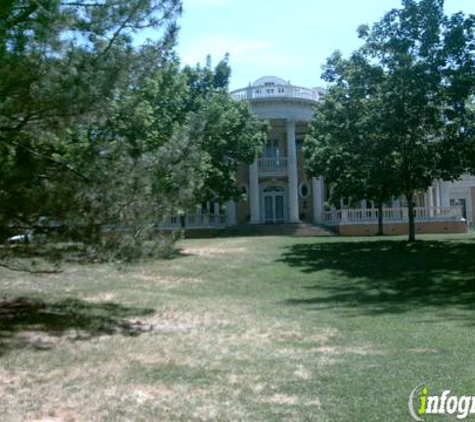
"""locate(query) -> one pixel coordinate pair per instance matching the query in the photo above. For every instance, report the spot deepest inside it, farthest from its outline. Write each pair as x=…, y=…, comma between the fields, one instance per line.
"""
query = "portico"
x=275, y=176
x=275, y=168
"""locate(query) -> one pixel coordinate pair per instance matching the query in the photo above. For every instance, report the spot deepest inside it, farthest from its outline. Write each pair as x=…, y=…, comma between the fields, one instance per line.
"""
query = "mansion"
x=278, y=189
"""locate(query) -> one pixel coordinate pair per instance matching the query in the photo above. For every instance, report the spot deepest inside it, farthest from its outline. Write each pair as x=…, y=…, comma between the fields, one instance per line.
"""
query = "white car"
x=26, y=237
x=39, y=232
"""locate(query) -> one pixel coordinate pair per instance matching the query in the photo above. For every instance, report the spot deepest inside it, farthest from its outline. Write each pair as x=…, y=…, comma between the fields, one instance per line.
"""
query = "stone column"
x=444, y=194
x=292, y=173
x=437, y=193
x=254, y=192
x=430, y=201
x=317, y=195
x=231, y=213
x=249, y=92
x=344, y=216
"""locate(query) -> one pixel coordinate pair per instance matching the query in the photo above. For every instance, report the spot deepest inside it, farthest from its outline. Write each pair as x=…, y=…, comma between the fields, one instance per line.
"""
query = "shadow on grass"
x=37, y=324
x=387, y=276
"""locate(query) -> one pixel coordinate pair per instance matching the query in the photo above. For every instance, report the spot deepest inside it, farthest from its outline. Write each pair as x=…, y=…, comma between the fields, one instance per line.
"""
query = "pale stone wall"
x=402, y=228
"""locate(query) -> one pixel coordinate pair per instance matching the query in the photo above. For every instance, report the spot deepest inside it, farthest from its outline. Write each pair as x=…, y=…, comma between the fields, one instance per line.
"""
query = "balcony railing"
x=276, y=91
x=196, y=221
x=273, y=164
x=354, y=216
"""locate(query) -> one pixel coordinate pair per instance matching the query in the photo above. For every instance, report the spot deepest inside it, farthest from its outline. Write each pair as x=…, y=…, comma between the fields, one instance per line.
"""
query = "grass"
x=252, y=329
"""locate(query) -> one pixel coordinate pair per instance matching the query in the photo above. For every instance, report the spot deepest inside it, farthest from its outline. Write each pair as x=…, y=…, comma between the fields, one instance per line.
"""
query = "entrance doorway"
x=274, y=205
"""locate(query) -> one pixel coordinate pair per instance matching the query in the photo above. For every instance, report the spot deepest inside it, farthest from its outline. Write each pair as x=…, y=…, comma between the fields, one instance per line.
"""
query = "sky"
x=288, y=39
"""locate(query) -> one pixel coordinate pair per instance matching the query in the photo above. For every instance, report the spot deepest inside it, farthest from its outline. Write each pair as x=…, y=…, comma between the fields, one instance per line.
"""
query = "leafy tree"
x=160, y=149
x=101, y=133
x=344, y=144
x=228, y=133
x=427, y=64
x=61, y=64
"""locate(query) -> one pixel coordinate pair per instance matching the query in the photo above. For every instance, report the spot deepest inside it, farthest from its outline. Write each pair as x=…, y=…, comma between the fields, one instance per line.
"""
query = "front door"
x=274, y=208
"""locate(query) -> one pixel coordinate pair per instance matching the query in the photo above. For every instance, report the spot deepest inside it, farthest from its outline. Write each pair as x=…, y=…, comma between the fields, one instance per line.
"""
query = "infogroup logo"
x=422, y=403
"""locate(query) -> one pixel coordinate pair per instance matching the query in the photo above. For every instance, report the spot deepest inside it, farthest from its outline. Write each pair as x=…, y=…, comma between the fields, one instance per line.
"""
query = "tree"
x=344, y=144
x=61, y=64
x=229, y=133
x=427, y=64
x=104, y=134
x=162, y=147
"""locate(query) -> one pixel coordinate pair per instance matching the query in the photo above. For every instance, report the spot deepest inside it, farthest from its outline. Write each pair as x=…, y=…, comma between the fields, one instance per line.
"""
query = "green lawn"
x=242, y=329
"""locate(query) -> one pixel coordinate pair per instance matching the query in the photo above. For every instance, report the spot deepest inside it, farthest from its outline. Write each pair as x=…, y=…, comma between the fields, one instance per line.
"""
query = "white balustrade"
x=195, y=221
x=370, y=215
x=270, y=91
x=273, y=164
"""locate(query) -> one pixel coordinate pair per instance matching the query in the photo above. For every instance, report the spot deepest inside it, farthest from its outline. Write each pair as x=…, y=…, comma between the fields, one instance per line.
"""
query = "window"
x=304, y=190
x=299, y=144
x=272, y=149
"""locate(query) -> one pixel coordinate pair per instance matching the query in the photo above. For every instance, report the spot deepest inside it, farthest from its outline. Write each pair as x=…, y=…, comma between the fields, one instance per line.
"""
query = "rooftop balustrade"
x=255, y=92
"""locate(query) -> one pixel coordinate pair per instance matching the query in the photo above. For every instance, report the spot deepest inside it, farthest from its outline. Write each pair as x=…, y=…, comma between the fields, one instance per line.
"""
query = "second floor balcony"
x=273, y=165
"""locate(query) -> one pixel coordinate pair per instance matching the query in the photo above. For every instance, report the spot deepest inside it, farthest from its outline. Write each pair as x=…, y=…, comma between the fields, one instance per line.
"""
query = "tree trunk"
x=380, y=219
x=411, y=216
x=183, y=221
x=183, y=226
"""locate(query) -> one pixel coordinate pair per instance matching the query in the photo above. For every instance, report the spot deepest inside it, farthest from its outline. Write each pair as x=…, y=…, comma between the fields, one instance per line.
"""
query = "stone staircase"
x=297, y=230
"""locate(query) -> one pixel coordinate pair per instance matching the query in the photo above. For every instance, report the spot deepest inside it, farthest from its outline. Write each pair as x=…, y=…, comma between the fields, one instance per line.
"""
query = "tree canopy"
x=108, y=135
x=411, y=83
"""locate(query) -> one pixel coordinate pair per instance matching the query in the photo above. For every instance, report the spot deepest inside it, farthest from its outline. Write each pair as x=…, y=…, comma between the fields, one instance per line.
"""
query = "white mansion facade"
x=279, y=190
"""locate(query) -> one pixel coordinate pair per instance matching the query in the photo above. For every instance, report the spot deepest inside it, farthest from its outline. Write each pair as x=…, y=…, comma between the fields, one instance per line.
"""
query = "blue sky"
x=289, y=39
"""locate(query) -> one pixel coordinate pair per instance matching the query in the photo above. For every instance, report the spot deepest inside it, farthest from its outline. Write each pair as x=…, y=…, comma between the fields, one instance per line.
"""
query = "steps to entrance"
x=297, y=230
